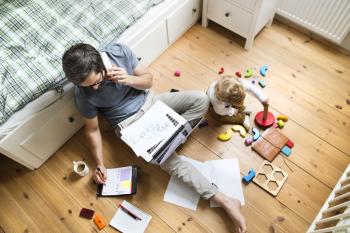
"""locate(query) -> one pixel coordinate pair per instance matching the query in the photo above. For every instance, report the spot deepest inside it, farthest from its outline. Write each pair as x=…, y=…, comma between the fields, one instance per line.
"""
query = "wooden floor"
x=307, y=81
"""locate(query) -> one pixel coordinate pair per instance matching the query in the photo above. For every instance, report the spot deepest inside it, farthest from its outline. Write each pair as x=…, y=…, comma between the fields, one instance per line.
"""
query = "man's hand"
x=118, y=75
x=100, y=175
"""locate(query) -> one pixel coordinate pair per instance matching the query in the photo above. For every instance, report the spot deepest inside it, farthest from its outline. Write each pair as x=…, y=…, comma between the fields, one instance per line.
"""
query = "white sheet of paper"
x=224, y=173
x=125, y=223
x=227, y=177
x=180, y=194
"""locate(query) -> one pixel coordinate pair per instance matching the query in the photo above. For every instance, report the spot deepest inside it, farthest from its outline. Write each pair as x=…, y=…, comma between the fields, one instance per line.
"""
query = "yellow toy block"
x=225, y=136
x=282, y=118
x=238, y=128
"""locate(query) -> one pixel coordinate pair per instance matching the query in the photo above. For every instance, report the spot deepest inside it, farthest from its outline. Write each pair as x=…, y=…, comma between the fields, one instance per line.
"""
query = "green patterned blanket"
x=35, y=33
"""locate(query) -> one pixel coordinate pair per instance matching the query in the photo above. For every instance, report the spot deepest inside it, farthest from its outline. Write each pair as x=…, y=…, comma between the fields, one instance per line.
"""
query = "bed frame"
x=38, y=138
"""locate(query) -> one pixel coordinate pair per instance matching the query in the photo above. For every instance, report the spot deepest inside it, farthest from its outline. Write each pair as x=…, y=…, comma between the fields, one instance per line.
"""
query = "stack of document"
x=154, y=131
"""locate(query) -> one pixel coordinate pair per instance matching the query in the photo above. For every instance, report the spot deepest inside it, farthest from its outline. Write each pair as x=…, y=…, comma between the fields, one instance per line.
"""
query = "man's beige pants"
x=192, y=105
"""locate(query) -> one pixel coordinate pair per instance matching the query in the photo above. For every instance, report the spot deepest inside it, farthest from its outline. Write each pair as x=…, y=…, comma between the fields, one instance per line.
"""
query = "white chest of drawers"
x=244, y=17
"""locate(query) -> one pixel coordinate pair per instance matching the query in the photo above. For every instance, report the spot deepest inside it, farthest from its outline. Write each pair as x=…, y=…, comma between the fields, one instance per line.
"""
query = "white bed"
x=53, y=119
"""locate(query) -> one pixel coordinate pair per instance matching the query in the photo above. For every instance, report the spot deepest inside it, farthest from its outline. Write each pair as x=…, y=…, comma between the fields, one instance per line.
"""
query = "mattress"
x=35, y=34
x=49, y=97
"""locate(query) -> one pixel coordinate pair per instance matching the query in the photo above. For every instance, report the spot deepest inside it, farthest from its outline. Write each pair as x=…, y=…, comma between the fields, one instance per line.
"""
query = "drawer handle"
x=139, y=58
x=71, y=119
x=194, y=10
x=227, y=14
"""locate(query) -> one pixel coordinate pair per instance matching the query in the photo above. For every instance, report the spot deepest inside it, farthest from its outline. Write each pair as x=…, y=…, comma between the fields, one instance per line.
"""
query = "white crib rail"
x=338, y=200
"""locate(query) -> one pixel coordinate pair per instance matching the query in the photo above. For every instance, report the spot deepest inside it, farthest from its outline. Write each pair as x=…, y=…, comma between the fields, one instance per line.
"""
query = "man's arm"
x=142, y=78
x=92, y=132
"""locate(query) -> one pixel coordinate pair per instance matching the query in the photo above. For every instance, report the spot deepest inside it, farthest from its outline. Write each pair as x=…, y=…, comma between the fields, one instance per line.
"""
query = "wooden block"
x=238, y=128
x=177, y=73
x=100, y=223
x=225, y=136
x=290, y=144
x=248, y=73
x=282, y=117
x=248, y=141
x=265, y=149
x=256, y=134
x=270, y=178
x=275, y=137
x=286, y=150
x=86, y=213
x=262, y=83
x=248, y=178
x=280, y=124
x=263, y=70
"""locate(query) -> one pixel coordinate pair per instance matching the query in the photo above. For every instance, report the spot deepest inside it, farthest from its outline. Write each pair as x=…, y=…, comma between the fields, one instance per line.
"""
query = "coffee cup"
x=81, y=168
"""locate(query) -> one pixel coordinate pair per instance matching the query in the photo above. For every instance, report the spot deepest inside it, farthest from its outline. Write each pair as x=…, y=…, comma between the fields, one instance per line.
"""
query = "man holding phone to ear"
x=120, y=93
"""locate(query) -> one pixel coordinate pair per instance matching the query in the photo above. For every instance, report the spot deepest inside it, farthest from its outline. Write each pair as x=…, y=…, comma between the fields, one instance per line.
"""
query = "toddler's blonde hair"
x=228, y=89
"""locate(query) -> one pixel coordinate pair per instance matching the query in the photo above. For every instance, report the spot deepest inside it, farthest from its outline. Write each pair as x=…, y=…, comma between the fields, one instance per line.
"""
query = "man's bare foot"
x=232, y=207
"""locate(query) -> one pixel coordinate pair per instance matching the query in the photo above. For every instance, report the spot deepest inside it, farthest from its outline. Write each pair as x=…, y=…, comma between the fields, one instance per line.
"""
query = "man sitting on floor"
x=121, y=95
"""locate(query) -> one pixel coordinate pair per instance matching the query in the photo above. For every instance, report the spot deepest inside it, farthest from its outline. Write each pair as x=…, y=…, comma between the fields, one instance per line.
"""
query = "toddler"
x=227, y=100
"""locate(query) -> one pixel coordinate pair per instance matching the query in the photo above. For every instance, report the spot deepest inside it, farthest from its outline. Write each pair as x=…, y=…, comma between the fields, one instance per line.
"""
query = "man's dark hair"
x=79, y=61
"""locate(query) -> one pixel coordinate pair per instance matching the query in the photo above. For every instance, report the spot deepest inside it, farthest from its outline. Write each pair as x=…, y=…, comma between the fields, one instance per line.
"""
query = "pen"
x=134, y=216
x=99, y=170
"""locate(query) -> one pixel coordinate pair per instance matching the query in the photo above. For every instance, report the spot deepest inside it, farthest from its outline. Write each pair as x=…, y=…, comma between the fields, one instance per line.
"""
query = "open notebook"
x=157, y=134
x=126, y=222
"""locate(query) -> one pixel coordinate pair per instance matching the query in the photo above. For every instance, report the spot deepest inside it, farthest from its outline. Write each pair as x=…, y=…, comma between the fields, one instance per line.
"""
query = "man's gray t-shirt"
x=113, y=101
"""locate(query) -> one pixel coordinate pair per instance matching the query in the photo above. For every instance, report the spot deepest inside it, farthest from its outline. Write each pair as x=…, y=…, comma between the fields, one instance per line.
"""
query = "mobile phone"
x=106, y=61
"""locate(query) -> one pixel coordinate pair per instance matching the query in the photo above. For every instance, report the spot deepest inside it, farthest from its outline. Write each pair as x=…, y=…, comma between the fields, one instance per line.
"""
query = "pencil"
x=134, y=216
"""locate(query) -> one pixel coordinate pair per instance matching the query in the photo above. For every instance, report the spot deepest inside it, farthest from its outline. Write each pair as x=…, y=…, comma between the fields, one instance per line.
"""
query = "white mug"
x=81, y=168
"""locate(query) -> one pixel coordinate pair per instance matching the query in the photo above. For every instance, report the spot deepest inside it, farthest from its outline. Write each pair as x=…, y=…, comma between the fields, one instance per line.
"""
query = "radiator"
x=327, y=18
x=334, y=216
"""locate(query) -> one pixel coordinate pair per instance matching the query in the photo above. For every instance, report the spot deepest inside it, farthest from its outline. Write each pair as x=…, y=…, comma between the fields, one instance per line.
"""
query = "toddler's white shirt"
x=225, y=109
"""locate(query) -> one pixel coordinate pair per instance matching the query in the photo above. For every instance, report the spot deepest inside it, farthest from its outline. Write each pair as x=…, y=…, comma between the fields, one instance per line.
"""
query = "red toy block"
x=238, y=74
x=290, y=144
x=177, y=73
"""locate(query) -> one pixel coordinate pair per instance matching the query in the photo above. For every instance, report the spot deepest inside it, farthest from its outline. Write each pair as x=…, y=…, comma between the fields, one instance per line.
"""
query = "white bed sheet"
x=51, y=96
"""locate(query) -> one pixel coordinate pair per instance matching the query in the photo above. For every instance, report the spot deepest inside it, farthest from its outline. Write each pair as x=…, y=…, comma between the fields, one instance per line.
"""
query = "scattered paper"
x=224, y=173
x=188, y=198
